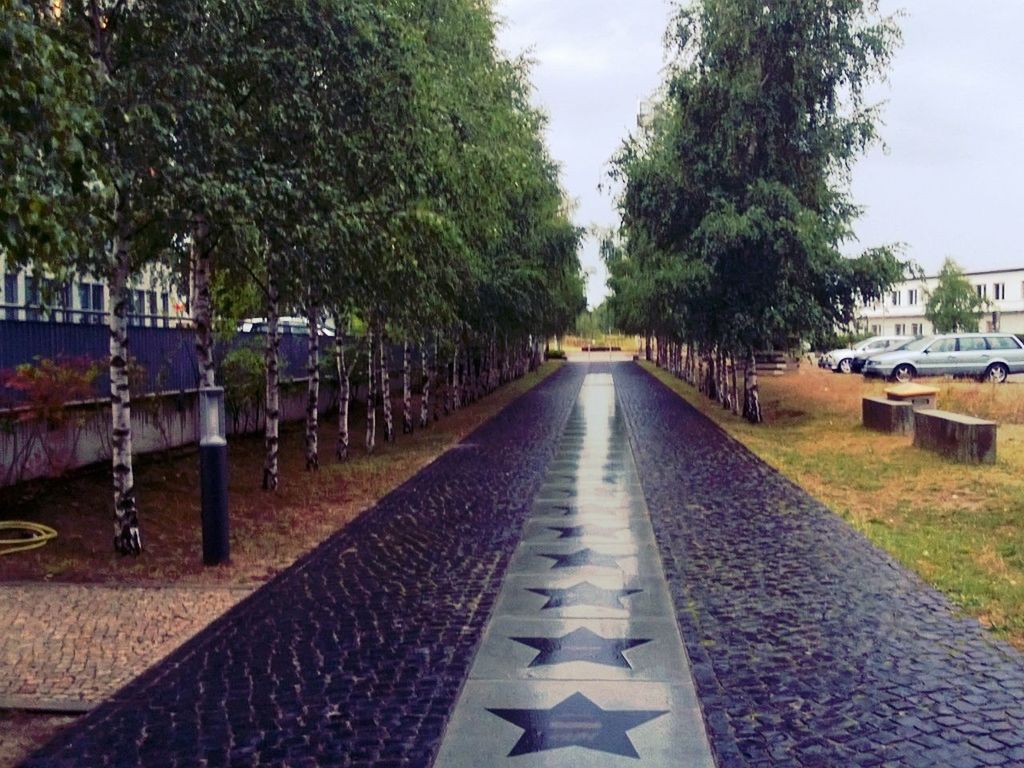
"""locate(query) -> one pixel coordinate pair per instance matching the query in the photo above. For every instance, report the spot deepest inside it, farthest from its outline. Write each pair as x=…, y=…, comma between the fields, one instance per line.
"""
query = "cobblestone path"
x=354, y=655
x=65, y=647
x=809, y=646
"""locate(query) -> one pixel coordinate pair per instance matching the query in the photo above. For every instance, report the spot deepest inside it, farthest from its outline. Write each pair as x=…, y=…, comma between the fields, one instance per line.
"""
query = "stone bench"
x=961, y=438
x=893, y=416
x=919, y=395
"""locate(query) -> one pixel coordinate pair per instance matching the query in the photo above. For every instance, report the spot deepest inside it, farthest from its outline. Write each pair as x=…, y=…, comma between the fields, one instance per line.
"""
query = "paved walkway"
x=66, y=647
x=810, y=647
x=582, y=661
x=807, y=646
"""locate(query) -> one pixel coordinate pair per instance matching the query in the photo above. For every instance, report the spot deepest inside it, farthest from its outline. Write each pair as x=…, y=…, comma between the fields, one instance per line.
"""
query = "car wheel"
x=904, y=372
x=997, y=373
x=845, y=365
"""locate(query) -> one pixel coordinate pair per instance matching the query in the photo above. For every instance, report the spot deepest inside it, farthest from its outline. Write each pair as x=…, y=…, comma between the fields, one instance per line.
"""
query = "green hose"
x=30, y=536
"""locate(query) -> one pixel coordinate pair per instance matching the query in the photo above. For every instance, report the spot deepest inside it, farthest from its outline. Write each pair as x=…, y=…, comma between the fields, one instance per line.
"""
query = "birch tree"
x=738, y=188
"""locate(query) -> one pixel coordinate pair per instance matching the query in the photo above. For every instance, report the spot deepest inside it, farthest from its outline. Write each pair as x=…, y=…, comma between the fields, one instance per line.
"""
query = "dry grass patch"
x=960, y=527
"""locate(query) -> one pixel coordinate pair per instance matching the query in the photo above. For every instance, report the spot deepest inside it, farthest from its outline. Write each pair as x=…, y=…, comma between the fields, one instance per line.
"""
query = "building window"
x=165, y=301
x=11, y=296
x=894, y=298
x=999, y=291
x=982, y=291
x=912, y=297
x=32, y=310
x=876, y=330
x=915, y=329
x=84, y=301
x=98, y=305
x=900, y=328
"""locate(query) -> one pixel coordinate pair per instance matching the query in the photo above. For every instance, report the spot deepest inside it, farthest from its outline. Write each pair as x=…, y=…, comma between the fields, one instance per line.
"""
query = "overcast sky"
x=949, y=185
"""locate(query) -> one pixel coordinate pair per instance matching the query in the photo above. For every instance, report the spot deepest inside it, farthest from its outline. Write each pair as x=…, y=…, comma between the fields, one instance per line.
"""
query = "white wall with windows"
x=25, y=296
x=902, y=310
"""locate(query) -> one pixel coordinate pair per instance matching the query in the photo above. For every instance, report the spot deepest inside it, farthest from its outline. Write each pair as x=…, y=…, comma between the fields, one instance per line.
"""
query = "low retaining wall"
x=29, y=449
x=961, y=438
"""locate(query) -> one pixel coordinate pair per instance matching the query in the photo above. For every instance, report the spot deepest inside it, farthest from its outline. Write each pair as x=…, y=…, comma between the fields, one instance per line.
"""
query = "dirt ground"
x=269, y=531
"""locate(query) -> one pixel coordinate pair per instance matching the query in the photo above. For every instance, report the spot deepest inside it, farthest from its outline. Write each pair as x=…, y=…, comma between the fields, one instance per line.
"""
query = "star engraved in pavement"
x=576, y=722
x=582, y=645
x=581, y=558
x=583, y=593
x=575, y=531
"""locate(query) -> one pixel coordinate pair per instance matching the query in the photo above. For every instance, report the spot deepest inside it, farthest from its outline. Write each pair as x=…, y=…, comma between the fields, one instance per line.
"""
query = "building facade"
x=901, y=313
x=25, y=295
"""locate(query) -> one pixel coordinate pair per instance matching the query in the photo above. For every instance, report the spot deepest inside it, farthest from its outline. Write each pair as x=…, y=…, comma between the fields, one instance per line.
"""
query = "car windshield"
x=918, y=344
x=871, y=343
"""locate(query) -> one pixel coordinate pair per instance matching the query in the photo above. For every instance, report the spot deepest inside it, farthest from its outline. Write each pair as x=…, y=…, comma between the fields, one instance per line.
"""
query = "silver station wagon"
x=991, y=356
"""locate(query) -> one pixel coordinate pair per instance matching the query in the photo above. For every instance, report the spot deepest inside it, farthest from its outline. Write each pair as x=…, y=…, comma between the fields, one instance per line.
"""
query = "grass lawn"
x=960, y=527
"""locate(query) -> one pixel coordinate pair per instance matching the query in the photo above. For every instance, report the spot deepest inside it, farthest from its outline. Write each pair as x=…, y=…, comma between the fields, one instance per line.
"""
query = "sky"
x=947, y=182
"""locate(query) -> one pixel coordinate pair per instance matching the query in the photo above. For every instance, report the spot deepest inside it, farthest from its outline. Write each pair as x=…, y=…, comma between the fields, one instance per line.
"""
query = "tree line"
x=372, y=163
x=735, y=205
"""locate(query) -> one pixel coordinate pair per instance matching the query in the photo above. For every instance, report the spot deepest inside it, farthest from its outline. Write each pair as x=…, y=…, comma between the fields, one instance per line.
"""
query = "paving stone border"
x=355, y=655
x=809, y=646
x=66, y=647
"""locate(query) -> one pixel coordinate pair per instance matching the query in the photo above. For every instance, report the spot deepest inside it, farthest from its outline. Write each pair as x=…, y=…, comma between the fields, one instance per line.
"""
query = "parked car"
x=842, y=360
x=298, y=326
x=861, y=358
x=991, y=356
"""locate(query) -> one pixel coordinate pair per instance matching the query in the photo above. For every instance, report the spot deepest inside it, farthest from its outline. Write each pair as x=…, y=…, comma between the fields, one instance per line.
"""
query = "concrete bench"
x=893, y=416
x=920, y=395
x=961, y=438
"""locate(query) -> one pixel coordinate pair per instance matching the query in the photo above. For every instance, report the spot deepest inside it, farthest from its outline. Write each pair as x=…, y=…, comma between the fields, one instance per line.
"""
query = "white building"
x=901, y=313
x=84, y=299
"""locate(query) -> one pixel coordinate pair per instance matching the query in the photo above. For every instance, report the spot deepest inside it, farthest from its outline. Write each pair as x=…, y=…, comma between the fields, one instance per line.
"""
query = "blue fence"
x=165, y=357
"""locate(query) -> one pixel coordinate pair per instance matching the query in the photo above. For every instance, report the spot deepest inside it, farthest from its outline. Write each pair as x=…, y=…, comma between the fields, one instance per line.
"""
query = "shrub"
x=242, y=372
x=47, y=386
x=37, y=396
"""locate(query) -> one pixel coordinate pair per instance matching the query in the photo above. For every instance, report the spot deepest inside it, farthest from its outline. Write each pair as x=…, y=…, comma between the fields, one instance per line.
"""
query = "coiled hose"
x=26, y=536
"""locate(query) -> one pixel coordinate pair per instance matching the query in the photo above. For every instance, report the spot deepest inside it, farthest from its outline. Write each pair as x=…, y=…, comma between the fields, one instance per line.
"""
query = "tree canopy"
x=954, y=305
x=372, y=161
x=735, y=208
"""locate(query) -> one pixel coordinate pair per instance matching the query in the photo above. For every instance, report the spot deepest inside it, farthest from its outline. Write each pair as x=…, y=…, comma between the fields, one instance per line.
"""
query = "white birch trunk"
x=127, y=537
x=425, y=376
x=751, y=397
x=407, y=424
x=344, y=393
x=313, y=387
x=385, y=385
x=724, y=393
x=456, y=394
x=371, y=405
x=735, y=393
x=492, y=364
x=438, y=398
x=271, y=431
x=202, y=303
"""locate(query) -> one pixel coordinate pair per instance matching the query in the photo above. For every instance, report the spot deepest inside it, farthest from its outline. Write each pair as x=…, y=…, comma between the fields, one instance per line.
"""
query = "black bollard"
x=213, y=477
